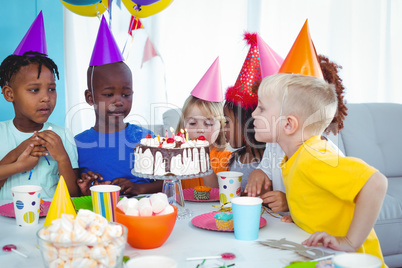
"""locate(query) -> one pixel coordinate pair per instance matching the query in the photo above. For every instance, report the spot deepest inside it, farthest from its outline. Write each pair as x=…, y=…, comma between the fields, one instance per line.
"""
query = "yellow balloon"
x=89, y=11
x=148, y=10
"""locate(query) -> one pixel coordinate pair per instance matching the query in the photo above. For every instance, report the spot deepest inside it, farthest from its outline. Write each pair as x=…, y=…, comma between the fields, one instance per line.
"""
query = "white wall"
x=363, y=36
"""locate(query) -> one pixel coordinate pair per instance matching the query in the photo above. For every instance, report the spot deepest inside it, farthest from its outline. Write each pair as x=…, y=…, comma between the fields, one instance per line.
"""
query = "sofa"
x=372, y=132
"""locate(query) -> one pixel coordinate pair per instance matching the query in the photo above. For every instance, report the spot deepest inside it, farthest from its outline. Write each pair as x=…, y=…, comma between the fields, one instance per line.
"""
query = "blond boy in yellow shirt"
x=335, y=198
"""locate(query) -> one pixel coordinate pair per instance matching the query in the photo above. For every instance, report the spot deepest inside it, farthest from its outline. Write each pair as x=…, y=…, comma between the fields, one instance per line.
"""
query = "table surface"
x=185, y=241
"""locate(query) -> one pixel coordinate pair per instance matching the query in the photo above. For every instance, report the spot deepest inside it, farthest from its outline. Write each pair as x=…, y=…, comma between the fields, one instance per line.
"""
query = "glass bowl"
x=101, y=252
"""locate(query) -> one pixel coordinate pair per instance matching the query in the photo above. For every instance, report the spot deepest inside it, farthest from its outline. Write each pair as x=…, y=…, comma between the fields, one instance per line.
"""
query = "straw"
x=19, y=253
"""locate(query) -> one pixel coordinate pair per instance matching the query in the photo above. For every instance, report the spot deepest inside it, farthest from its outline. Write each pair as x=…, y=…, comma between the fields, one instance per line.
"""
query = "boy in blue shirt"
x=105, y=152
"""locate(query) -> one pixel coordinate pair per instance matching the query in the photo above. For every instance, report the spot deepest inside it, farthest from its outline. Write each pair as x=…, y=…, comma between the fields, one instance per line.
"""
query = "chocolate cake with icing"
x=172, y=156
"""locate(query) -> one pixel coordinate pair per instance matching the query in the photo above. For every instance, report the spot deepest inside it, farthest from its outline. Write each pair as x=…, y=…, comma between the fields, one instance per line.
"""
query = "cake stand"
x=173, y=189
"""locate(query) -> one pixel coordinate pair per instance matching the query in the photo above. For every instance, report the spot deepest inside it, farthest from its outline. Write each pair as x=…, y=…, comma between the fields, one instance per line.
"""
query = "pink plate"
x=8, y=209
x=188, y=195
x=207, y=221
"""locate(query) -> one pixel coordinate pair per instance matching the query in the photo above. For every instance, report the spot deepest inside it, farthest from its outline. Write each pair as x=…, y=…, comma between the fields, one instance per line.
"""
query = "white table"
x=185, y=241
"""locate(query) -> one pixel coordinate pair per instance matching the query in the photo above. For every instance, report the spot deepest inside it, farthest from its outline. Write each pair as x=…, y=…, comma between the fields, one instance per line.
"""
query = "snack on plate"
x=324, y=264
x=89, y=240
x=156, y=204
x=224, y=221
x=202, y=192
x=172, y=156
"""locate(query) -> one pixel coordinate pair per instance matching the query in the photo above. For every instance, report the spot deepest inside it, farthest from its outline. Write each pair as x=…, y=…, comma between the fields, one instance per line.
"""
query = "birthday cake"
x=172, y=156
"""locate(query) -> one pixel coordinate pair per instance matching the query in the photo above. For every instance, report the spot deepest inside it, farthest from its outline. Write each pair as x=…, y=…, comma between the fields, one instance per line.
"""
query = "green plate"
x=85, y=202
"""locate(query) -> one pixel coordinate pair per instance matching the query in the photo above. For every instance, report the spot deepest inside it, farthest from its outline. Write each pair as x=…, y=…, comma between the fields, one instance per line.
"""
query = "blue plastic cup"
x=351, y=260
x=246, y=217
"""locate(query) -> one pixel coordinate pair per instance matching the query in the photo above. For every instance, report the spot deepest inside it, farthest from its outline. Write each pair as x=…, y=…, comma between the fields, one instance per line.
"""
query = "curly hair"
x=13, y=63
x=330, y=73
x=242, y=116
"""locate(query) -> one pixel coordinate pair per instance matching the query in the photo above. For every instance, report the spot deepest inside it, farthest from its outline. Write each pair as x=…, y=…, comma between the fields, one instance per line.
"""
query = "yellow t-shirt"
x=219, y=162
x=321, y=188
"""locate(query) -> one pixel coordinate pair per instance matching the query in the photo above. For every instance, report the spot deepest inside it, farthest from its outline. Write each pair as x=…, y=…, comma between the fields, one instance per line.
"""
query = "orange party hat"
x=61, y=203
x=302, y=57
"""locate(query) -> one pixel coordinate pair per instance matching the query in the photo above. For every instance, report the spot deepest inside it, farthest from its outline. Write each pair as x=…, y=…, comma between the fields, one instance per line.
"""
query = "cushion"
x=372, y=132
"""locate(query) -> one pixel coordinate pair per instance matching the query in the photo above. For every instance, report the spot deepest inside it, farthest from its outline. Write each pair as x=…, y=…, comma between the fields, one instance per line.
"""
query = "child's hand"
x=287, y=218
x=85, y=182
x=128, y=187
x=26, y=161
x=276, y=200
x=53, y=144
x=36, y=151
x=329, y=241
x=256, y=180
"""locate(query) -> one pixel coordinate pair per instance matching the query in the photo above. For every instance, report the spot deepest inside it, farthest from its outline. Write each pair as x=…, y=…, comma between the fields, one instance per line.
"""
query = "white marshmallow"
x=159, y=202
x=132, y=207
x=144, y=207
x=132, y=212
x=56, y=263
x=169, y=209
x=122, y=205
x=132, y=203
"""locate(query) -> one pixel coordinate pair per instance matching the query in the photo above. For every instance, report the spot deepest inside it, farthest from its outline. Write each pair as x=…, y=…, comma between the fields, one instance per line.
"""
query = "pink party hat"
x=34, y=39
x=106, y=50
x=210, y=86
x=270, y=61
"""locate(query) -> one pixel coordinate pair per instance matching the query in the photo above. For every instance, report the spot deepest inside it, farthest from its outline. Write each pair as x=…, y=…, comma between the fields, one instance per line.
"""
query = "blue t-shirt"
x=110, y=154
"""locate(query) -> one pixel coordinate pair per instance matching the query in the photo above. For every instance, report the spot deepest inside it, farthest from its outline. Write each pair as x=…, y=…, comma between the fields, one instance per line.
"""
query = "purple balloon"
x=144, y=2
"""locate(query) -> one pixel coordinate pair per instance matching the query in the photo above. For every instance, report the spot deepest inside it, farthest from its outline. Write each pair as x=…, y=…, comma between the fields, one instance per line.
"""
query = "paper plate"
x=8, y=209
x=83, y=202
x=188, y=195
x=207, y=221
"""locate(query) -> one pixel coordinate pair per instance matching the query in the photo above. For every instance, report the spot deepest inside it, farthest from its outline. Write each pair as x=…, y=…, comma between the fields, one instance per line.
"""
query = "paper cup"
x=105, y=199
x=246, y=217
x=151, y=261
x=229, y=185
x=362, y=260
x=26, y=204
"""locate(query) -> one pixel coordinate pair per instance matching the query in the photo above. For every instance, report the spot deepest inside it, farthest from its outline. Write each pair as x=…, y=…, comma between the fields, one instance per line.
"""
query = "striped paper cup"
x=105, y=199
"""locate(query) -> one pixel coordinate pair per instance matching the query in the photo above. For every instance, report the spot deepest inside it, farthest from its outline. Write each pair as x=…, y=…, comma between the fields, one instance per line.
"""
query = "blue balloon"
x=82, y=2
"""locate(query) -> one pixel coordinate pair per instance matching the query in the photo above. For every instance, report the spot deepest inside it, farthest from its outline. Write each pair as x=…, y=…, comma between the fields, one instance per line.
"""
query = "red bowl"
x=146, y=232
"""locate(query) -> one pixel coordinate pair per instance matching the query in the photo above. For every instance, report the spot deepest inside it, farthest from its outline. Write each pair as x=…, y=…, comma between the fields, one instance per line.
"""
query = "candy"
x=169, y=209
x=144, y=207
x=123, y=204
x=87, y=241
x=159, y=202
x=156, y=204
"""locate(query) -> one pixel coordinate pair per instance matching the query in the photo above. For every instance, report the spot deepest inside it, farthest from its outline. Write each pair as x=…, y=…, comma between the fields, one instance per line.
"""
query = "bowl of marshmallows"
x=149, y=221
x=88, y=240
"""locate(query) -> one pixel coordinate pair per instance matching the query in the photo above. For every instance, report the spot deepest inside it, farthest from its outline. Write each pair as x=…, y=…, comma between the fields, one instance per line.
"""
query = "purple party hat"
x=34, y=39
x=106, y=50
